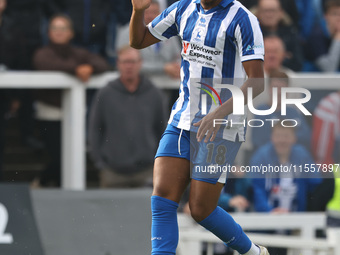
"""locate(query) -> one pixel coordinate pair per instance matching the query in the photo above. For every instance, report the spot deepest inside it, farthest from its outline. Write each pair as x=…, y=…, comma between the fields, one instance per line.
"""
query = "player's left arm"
x=255, y=73
x=254, y=70
x=251, y=52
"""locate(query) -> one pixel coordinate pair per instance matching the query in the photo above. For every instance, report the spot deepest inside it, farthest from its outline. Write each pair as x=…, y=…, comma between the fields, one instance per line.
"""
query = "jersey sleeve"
x=164, y=25
x=249, y=38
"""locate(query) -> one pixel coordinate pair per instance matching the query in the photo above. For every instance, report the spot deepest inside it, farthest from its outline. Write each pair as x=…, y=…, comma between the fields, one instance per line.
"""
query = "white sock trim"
x=254, y=250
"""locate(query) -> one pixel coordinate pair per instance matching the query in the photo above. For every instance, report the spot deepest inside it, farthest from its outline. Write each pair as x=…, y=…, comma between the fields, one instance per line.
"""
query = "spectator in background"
x=160, y=58
x=289, y=6
x=301, y=12
x=275, y=54
x=283, y=191
x=90, y=19
x=90, y=23
x=126, y=122
x=59, y=55
x=271, y=17
x=261, y=136
x=323, y=47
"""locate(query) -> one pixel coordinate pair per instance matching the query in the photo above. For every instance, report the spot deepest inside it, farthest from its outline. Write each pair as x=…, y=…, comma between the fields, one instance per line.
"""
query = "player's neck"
x=209, y=4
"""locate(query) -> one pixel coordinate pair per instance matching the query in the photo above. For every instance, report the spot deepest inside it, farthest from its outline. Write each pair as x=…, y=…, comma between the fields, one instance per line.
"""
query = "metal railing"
x=73, y=104
x=74, y=109
x=304, y=226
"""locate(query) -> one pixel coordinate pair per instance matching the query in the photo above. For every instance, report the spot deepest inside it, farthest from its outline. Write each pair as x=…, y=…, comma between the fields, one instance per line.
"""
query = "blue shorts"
x=209, y=161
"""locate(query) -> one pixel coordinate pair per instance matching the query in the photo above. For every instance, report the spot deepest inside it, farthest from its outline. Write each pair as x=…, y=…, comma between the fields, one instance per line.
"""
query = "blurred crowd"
x=86, y=37
x=309, y=29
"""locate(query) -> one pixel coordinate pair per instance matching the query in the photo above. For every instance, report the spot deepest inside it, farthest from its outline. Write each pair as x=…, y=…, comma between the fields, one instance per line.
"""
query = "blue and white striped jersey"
x=214, y=45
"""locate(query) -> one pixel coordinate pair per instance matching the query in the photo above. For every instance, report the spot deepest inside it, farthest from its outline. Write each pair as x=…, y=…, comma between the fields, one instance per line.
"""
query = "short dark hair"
x=63, y=16
x=328, y=4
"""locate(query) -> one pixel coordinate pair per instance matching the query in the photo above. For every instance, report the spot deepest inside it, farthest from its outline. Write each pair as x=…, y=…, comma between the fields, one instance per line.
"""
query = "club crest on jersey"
x=199, y=34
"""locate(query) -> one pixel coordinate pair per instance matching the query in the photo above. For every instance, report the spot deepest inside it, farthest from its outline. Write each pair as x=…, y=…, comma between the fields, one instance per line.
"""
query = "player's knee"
x=160, y=191
x=199, y=212
x=166, y=192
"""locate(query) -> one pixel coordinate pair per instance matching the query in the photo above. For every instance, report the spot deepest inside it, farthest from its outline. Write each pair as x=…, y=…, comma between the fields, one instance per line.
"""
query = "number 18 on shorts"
x=210, y=161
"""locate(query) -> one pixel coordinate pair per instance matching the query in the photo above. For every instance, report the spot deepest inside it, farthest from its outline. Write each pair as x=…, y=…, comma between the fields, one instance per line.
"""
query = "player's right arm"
x=140, y=36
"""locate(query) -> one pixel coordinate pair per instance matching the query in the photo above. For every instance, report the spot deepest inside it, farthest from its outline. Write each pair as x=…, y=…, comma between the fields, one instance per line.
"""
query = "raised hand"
x=140, y=5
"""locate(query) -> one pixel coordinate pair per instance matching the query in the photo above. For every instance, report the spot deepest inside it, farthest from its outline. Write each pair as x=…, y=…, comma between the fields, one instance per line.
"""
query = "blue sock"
x=164, y=230
x=221, y=224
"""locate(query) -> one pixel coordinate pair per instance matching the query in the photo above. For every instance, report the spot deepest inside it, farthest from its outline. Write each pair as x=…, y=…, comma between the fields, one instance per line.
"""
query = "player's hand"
x=84, y=72
x=239, y=202
x=207, y=127
x=140, y=5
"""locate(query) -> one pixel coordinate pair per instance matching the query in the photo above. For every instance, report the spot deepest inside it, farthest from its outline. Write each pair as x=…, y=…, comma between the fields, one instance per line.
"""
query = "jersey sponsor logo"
x=250, y=48
x=205, y=50
x=199, y=52
x=185, y=47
